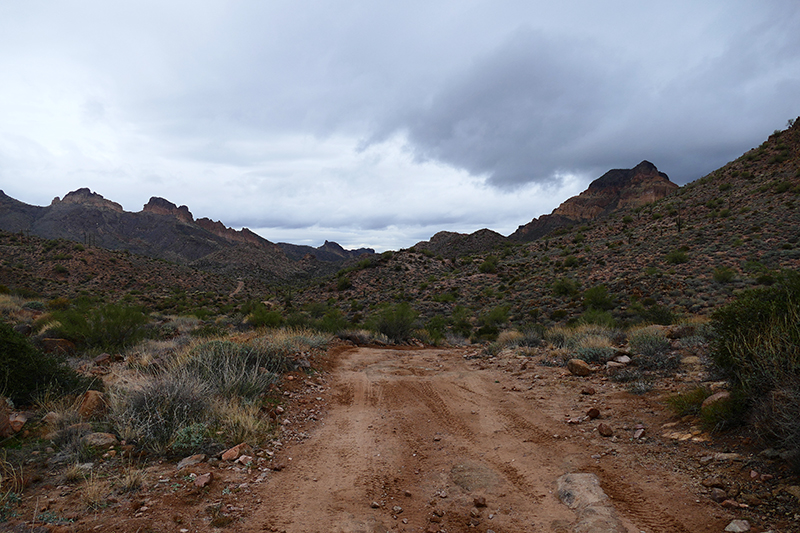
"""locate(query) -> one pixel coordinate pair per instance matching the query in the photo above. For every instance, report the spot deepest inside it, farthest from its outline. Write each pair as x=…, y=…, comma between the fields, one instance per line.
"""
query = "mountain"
x=450, y=244
x=616, y=189
x=330, y=251
x=166, y=231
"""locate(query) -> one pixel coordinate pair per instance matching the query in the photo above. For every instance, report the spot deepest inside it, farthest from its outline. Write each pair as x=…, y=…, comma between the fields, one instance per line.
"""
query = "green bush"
x=598, y=298
x=565, y=287
x=489, y=265
x=262, y=317
x=723, y=275
x=757, y=347
x=396, y=322
x=25, y=372
x=689, y=402
x=677, y=257
x=110, y=327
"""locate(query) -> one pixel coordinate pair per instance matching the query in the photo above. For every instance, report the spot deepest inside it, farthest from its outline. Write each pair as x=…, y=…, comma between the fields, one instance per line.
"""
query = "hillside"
x=685, y=253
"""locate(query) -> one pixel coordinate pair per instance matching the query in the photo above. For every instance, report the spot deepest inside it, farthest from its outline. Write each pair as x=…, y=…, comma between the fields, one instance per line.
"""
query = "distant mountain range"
x=165, y=231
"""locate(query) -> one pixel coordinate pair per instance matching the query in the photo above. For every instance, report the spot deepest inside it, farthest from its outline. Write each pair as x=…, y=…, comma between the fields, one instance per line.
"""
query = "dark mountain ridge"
x=166, y=231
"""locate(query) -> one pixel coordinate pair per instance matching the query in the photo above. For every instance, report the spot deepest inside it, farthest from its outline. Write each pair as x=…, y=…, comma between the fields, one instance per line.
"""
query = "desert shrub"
x=25, y=372
x=595, y=349
x=757, y=344
x=235, y=370
x=462, y=327
x=677, y=257
x=597, y=317
x=489, y=323
x=343, y=283
x=651, y=347
x=262, y=317
x=565, y=287
x=189, y=438
x=156, y=412
x=110, y=327
x=723, y=275
x=689, y=402
x=489, y=265
x=436, y=328
x=332, y=321
x=240, y=422
x=598, y=298
x=396, y=322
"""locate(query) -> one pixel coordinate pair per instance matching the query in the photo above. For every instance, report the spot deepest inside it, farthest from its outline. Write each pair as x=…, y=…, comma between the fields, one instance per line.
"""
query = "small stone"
x=397, y=509
x=479, y=501
x=738, y=526
x=100, y=440
x=579, y=367
x=91, y=404
x=593, y=413
x=103, y=359
x=713, y=481
x=715, y=399
x=407, y=494
x=233, y=453
x=244, y=460
x=16, y=421
x=191, y=461
x=375, y=505
x=730, y=504
x=474, y=512
x=718, y=495
x=605, y=430
x=622, y=359
x=638, y=433
x=588, y=391
x=203, y=480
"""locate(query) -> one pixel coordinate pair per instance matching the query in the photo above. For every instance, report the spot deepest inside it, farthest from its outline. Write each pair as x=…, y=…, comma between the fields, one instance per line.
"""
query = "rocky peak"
x=160, y=206
x=84, y=196
x=616, y=189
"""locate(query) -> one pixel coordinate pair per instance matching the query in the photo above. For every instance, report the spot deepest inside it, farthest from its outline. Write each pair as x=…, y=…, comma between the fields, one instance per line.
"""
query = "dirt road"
x=413, y=439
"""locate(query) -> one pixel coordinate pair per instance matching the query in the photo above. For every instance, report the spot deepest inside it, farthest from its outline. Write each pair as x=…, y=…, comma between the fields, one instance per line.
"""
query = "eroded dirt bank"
x=413, y=439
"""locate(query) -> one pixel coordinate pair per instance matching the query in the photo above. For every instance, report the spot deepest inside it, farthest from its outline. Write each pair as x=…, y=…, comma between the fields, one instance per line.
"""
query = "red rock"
x=16, y=421
x=203, y=480
x=479, y=501
x=103, y=359
x=593, y=413
x=234, y=453
x=605, y=430
x=578, y=367
x=100, y=440
x=92, y=404
x=588, y=391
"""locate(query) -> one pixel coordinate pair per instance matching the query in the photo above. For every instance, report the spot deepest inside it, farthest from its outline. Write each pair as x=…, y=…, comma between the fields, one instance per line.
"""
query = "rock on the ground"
x=579, y=367
x=192, y=460
x=715, y=399
x=738, y=526
x=605, y=430
x=100, y=440
x=203, y=480
x=582, y=494
x=91, y=404
x=233, y=453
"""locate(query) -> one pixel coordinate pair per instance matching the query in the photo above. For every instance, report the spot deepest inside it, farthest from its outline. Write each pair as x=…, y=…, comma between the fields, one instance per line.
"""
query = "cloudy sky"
x=378, y=123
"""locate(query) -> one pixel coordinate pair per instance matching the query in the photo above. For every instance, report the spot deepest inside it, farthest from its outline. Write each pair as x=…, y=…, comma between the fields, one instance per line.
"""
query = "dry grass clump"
x=595, y=348
x=651, y=347
x=131, y=479
x=93, y=492
x=363, y=336
x=240, y=421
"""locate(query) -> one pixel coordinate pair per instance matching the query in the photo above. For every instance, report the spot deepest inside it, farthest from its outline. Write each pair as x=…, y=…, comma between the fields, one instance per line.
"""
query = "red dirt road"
x=412, y=437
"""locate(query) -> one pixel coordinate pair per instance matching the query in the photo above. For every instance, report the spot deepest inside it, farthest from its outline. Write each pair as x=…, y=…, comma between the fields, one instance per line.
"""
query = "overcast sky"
x=378, y=123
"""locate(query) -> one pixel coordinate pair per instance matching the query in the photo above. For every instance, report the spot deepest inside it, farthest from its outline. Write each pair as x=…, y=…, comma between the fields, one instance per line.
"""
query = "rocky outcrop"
x=160, y=206
x=616, y=189
x=88, y=198
x=450, y=244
